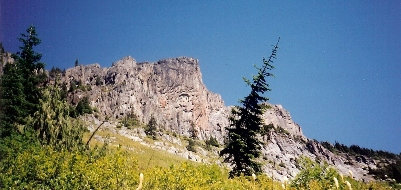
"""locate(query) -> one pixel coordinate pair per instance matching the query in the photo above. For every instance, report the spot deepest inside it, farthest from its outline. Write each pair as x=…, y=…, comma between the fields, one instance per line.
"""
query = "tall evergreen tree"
x=31, y=69
x=20, y=93
x=243, y=146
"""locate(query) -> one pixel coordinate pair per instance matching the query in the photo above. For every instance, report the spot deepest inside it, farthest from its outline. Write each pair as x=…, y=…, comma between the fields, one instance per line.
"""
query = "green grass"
x=147, y=157
x=27, y=165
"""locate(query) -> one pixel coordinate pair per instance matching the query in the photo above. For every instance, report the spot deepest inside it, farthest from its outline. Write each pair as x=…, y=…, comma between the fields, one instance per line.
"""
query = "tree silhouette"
x=20, y=83
x=243, y=145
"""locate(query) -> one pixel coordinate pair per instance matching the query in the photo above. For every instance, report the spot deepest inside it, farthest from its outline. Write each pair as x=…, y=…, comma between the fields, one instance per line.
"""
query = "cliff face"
x=172, y=91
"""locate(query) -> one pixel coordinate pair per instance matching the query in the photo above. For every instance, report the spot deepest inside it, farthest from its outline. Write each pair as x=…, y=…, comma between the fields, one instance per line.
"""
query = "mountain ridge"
x=172, y=91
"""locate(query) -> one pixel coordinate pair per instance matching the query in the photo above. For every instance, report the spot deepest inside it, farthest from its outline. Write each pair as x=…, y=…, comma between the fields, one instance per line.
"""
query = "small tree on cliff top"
x=243, y=146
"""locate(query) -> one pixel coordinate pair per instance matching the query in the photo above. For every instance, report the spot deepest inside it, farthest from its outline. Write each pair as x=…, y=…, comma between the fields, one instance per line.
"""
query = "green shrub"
x=191, y=145
x=130, y=120
x=36, y=167
x=83, y=106
x=212, y=142
x=99, y=81
x=193, y=176
x=321, y=176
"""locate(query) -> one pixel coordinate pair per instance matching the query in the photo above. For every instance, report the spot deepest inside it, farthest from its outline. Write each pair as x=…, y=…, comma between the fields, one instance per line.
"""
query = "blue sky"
x=338, y=70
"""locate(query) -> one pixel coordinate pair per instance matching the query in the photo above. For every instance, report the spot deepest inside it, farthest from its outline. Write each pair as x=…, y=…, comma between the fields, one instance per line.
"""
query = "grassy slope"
x=147, y=157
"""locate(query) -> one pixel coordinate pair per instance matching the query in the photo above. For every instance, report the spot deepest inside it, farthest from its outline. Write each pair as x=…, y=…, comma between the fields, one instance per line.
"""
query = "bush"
x=315, y=174
x=191, y=145
x=321, y=176
x=99, y=81
x=130, y=120
x=24, y=164
x=83, y=106
x=212, y=142
x=391, y=171
x=36, y=167
x=52, y=123
x=191, y=176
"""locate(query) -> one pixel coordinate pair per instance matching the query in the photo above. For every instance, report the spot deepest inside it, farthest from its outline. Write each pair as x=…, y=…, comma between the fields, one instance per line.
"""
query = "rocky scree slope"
x=172, y=91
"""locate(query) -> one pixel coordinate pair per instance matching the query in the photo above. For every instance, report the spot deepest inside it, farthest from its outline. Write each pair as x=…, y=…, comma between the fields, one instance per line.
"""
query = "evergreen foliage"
x=191, y=145
x=243, y=145
x=83, y=106
x=212, y=142
x=52, y=122
x=73, y=85
x=151, y=128
x=99, y=81
x=390, y=171
x=12, y=97
x=31, y=69
x=130, y=120
x=55, y=72
x=64, y=91
x=20, y=92
x=357, y=150
x=193, y=131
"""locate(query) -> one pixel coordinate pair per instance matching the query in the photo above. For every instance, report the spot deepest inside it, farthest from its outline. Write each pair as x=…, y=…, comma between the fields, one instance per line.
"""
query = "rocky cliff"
x=172, y=91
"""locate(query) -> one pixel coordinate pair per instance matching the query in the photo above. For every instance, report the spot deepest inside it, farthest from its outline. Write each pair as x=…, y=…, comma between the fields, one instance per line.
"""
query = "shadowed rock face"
x=172, y=91
x=5, y=58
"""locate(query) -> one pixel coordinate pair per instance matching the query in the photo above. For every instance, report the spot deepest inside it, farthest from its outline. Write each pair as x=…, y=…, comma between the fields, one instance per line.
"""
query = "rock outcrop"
x=172, y=91
x=169, y=90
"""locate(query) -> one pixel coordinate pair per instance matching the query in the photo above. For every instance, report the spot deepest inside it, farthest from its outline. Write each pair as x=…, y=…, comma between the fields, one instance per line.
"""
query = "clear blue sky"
x=338, y=70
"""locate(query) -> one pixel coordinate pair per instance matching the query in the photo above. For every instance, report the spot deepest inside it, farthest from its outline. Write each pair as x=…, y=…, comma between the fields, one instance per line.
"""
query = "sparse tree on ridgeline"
x=243, y=146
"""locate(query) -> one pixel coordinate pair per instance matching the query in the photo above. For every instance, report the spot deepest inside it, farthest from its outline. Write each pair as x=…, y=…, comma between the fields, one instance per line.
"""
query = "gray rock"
x=172, y=91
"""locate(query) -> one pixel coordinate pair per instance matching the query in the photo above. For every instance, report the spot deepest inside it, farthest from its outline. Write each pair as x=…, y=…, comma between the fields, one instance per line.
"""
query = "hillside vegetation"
x=45, y=144
x=25, y=164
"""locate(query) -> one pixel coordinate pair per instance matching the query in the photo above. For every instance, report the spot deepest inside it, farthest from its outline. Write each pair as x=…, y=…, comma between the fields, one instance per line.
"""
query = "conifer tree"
x=11, y=100
x=243, y=146
x=151, y=128
x=20, y=92
x=31, y=69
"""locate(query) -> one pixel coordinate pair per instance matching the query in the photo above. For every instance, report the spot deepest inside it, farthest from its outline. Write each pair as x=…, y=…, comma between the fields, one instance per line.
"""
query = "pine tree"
x=20, y=92
x=151, y=128
x=31, y=69
x=243, y=146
